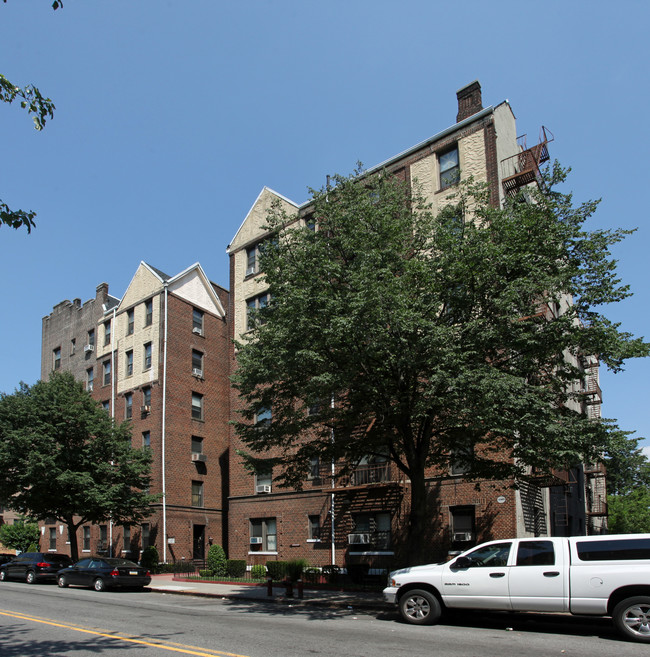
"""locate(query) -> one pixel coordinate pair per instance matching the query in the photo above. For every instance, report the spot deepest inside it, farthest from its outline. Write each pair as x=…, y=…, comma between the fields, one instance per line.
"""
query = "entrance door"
x=199, y=543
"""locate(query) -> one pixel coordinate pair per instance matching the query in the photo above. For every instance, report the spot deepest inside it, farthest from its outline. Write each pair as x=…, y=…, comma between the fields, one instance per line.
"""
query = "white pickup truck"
x=595, y=575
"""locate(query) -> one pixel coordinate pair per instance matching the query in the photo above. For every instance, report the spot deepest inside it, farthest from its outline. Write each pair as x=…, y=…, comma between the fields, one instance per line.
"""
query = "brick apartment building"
x=359, y=519
x=158, y=358
x=161, y=357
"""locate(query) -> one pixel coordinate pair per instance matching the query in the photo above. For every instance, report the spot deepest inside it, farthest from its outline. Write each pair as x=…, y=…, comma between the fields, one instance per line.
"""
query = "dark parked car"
x=104, y=572
x=34, y=567
x=5, y=557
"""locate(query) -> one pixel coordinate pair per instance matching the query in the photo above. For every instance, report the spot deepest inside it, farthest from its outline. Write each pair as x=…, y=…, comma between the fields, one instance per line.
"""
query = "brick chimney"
x=469, y=100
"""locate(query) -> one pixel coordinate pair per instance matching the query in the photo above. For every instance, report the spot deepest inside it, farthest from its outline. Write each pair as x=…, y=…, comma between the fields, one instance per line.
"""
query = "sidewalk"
x=167, y=583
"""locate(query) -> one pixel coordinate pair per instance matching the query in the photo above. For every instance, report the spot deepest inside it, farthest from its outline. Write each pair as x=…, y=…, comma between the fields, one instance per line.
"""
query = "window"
x=252, y=259
x=263, y=535
x=462, y=524
x=449, y=168
x=314, y=468
x=197, y=406
x=197, y=321
x=73, y=346
x=148, y=312
x=52, y=537
x=86, y=539
x=107, y=333
x=313, y=528
x=129, y=362
x=614, y=550
x=107, y=372
x=263, y=417
x=460, y=459
x=90, y=379
x=146, y=439
x=263, y=481
x=106, y=405
x=56, y=358
x=102, y=545
x=535, y=553
x=253, y=306
x=144, y=528
x=489, y=556
x=197, y=493
x=147, y=356
x=128, y=406
x=91, y=338
x=197, y=363
x=372, y=529
x=126, y=539
x=197, y=445
x=130, y=321
x=146, y=398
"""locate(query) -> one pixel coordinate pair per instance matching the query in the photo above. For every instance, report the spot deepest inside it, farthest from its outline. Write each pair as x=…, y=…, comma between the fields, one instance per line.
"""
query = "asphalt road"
x=44, y=620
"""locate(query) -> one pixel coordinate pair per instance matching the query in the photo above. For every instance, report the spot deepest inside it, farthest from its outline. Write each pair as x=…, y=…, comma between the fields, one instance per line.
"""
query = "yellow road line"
x=187, y=650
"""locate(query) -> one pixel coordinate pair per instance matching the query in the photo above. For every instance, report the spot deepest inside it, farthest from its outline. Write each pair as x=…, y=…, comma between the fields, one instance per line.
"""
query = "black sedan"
x=101, y=573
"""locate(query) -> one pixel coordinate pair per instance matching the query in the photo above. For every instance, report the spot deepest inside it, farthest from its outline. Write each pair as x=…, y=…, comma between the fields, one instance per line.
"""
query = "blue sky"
x=171, y=116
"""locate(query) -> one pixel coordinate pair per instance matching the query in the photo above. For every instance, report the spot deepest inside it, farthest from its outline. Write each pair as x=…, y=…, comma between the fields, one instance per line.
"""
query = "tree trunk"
x=72, y=537
x=419, y=528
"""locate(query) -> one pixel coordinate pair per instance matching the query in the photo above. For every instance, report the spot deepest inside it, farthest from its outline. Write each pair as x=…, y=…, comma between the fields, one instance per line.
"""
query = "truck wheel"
x=632, y=618
x=420, y=607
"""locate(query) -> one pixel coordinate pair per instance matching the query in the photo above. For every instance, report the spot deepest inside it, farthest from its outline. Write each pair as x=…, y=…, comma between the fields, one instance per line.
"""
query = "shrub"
x=205, y=572
x=258, y=571
x=149, y=558
x=311, y=574
x=295, y=568
x=236, y=567
x=332, y=573
x=175, y=567
x=216, y=560
x=277, y=569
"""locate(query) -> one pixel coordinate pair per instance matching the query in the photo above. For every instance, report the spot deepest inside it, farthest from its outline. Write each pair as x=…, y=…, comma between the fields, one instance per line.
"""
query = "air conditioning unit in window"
x=358, y=539
x=197, y=372
x=89, y=347
x=145, y=409
x=463, y=536
x=263, y=488
x=197, y=330
x=197, y=456
x=256, y=540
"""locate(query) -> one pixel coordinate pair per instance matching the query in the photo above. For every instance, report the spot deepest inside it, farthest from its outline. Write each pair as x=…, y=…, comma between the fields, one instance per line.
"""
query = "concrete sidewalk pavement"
x=168, y=583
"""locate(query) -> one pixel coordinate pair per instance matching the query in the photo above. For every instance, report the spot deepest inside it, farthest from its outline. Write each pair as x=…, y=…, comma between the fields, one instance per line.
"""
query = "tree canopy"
x=20, y=536
x=63, y=457
x=437, y=338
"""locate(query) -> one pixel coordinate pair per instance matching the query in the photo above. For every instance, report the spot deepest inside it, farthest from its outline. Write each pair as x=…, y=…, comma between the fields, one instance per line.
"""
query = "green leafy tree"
x=63, y=457
x=430, y=339
x=629, y=513
x=627, y=466
x=20, y=536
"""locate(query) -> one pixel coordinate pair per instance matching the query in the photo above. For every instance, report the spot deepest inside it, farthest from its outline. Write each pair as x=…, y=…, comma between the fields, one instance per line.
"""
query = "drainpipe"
x=113, y=338
x=164, y=428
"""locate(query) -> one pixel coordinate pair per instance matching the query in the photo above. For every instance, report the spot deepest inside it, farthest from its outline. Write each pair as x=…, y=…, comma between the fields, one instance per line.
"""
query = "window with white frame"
x=90, y=378
x=56, y=358
x=197, y=321
x=91, y=338
x=197, y=363
x=313, y=525
x=129, y=363
x=263, y=481
x=197, y=493
x=197, y=406
x=449, y=168
x=147, y=356
x=263, y=535
x=148, y=312
x=106, y=365
x=130, y=321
